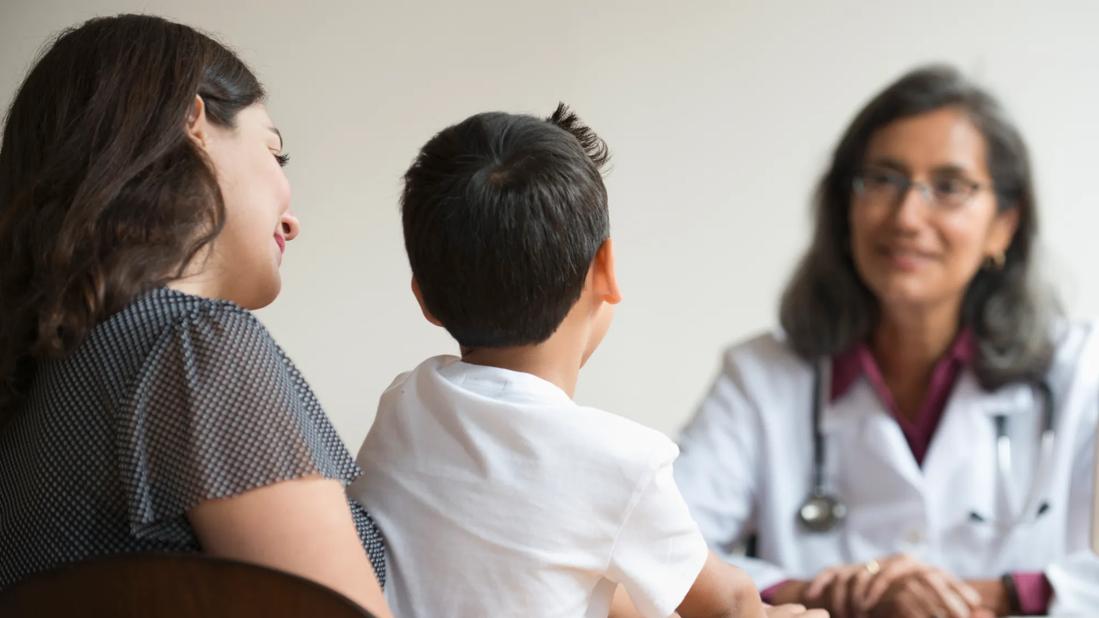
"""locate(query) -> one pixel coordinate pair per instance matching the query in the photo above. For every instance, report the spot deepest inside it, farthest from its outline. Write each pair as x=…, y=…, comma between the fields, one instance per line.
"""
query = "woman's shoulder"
x=1076, y=350
x=176, y=306
x=203, y=326
x=764, y=366
x=1074, y=342
x=208, y=350
x=161, y=311
x=215, y=409
x=1076, y=333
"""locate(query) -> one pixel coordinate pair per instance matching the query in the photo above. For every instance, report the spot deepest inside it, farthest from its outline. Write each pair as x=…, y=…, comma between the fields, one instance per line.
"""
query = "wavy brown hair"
x=103, y=196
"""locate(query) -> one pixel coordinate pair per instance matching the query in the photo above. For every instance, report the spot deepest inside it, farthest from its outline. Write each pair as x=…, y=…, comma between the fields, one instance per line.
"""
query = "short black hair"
x=503, y=215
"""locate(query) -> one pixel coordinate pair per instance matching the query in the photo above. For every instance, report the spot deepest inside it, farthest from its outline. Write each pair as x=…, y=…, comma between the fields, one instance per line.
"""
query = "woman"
x=143, y=212
x=859, y=445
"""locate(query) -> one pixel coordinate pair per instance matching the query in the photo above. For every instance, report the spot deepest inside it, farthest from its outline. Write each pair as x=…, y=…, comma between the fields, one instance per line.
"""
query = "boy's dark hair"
x=503, y=215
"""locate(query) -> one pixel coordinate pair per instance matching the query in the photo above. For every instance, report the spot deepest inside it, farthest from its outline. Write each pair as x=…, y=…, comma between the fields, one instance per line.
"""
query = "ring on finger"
x=872, y=567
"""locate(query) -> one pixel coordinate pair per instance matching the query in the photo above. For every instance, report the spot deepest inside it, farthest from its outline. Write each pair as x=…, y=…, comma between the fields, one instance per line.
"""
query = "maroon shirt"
x=859, y=361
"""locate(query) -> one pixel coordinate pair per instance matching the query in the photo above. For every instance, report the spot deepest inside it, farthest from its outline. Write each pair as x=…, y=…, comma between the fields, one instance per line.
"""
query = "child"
x=497, y=494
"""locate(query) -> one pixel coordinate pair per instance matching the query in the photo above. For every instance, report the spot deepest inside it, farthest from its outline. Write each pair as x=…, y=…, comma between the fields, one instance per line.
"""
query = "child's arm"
x=622, y=606
x=721, y=590
x=656, y=557
x=725, y=591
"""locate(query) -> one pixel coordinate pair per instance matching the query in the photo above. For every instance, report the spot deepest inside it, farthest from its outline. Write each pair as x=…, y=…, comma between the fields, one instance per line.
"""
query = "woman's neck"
x=199, y=278
x=906, y=346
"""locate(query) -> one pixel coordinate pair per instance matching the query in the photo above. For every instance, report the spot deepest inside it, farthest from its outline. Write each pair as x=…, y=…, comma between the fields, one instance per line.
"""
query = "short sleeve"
x=659, y=550
x=216, y=409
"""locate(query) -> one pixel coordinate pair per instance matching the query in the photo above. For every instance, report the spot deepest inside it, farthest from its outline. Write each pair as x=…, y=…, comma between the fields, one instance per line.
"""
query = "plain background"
x=720, y=117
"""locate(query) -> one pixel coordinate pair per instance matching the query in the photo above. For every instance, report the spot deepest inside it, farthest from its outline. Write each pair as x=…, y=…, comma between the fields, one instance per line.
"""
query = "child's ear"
x=604, y=279
x=198, y=127
x=423, y=306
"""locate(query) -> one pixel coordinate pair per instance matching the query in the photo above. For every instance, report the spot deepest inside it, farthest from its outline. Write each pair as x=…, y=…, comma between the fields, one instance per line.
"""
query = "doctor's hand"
x=894, y=586
x=902, y=586
x=834, y=589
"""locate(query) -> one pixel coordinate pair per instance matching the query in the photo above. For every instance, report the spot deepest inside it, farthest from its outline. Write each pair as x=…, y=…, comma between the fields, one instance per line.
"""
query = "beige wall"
x=719, y=114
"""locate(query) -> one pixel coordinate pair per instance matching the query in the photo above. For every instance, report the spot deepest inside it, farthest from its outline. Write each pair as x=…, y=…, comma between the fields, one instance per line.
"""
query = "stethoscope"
x=822, y=511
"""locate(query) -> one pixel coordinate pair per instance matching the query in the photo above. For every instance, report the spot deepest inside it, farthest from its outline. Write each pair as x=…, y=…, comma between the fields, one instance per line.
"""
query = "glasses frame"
x=902, y=184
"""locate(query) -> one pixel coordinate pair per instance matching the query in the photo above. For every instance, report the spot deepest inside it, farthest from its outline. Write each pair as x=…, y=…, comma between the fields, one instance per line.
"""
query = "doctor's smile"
x=907, y=259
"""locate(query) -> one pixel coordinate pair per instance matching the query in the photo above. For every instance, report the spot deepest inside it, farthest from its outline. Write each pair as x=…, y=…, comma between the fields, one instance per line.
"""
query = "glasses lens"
x=953, y=192
x=880, y=186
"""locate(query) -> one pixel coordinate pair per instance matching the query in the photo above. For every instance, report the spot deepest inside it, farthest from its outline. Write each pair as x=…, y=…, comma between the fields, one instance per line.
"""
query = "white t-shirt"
x=499, y=496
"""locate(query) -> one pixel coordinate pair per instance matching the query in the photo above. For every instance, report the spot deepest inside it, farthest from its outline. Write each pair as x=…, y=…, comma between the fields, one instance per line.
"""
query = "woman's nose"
x=912, y=206
x=290, y=226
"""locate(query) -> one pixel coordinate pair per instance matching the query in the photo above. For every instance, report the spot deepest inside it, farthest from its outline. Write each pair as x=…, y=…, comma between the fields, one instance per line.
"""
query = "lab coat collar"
x=965, y=422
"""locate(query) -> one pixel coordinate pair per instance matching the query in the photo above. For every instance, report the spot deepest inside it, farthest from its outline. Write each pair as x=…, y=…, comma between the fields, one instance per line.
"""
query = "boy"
x=498, y=495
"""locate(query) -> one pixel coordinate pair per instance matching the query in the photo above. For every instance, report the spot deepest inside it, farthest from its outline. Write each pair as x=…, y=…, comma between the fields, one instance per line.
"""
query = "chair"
x=172, y=586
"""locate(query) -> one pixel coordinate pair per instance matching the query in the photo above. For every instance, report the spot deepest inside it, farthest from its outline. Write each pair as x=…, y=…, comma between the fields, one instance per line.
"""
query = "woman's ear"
x=418, y=293
x=1003, y=231
x=198, y=128
x=603, y=278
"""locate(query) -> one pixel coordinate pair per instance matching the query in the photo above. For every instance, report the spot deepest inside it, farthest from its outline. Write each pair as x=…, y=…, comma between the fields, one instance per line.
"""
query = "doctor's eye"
x=877, y=183
x=953, y=190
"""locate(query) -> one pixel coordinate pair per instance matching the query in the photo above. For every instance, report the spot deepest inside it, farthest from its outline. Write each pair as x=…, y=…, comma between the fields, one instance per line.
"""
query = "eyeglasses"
x=878, y=185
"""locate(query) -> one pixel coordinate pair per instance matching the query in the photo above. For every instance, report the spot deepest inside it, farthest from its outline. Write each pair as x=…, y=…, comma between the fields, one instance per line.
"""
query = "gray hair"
x=827, y=308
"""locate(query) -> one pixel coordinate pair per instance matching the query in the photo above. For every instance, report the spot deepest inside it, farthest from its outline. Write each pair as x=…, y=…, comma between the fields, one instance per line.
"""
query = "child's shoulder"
x=623, y=440
x=513, y=411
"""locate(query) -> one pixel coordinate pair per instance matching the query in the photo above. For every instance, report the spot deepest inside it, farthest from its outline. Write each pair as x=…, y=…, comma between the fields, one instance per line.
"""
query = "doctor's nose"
x=911, y=208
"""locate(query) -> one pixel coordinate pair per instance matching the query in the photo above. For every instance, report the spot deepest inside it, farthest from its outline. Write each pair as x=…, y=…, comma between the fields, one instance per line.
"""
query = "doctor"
x=918, y=439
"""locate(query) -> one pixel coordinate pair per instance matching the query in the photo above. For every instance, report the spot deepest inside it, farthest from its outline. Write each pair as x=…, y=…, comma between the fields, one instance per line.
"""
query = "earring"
x=996, y=261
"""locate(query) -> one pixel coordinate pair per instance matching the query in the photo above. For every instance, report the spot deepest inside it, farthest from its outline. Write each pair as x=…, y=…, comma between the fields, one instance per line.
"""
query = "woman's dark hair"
x=103, y=195
x=826, y=307
x=502, y=216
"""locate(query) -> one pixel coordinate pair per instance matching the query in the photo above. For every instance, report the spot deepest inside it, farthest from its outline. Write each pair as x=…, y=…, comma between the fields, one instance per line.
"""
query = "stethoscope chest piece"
x=821, y=512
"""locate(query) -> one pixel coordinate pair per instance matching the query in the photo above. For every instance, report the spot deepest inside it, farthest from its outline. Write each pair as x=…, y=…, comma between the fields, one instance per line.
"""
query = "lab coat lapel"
x=858, y=422
x=964, y=437
x=964, y=443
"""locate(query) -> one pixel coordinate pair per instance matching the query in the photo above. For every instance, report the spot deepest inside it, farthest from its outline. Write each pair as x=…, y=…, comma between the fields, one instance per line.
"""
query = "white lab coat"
x=746, y=464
